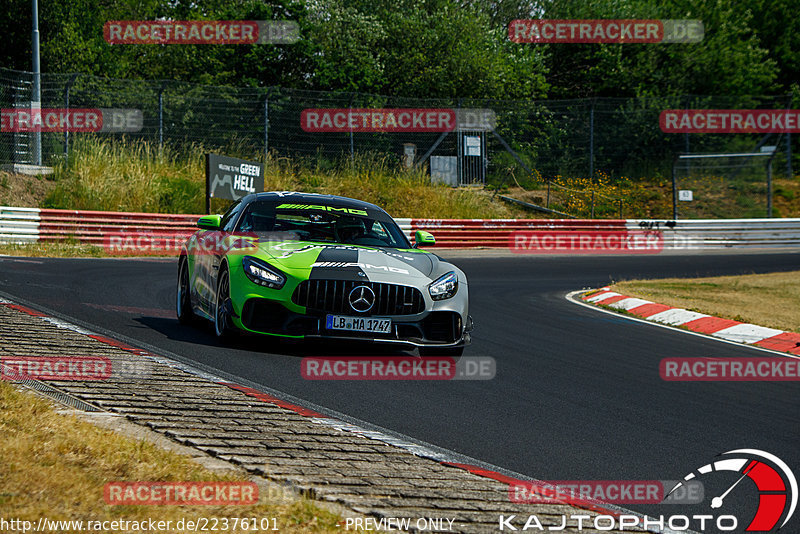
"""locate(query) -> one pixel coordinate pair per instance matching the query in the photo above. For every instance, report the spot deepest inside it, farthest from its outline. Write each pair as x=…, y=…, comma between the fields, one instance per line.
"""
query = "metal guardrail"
x=723, y=233
x=25, y=225
x=495, y=233
x=95, y=226
x=19, y=225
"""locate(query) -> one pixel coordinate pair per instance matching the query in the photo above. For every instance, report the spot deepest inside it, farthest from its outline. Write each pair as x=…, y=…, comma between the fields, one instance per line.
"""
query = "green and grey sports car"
x=309, y=266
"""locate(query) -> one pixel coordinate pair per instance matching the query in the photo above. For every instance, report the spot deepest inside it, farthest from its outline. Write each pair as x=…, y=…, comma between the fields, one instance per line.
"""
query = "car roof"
x=311, y=198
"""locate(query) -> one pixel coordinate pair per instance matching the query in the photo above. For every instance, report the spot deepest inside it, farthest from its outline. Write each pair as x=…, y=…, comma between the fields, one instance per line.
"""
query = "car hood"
x=350, y=262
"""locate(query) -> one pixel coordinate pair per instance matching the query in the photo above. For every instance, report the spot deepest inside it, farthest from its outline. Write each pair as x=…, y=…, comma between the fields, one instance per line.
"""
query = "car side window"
x=379, y=230
x=230, y=216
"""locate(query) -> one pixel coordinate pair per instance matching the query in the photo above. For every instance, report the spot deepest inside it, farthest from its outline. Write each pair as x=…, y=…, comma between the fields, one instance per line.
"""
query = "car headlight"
x=444, y=287
x=262, y=273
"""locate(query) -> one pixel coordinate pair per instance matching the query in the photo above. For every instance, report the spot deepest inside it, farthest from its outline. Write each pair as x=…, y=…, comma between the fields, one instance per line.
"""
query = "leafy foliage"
x=729, y=60
x=430, y=48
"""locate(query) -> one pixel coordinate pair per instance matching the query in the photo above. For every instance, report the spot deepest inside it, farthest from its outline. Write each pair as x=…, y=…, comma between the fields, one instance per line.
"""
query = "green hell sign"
x=232, y=178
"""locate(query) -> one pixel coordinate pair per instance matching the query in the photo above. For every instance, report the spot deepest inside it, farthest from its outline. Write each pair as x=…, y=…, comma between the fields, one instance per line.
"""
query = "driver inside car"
x=350, y=229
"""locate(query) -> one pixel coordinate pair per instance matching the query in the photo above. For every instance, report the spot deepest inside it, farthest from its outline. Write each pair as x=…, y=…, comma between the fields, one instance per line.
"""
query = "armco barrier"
x=708, y=234
x=19, y=225
x=95, y=226
x=494, y=233
x=24, y=225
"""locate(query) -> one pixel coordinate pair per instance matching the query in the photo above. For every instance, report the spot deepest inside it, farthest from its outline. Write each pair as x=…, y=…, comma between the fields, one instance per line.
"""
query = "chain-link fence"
x=709, y=186
x=536, y=140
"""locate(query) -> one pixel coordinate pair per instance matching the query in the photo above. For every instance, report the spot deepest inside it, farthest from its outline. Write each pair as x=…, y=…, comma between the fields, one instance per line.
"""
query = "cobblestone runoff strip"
x=368, y=472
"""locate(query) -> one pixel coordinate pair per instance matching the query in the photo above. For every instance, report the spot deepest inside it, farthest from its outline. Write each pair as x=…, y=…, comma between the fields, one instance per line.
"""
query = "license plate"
x=381, y=325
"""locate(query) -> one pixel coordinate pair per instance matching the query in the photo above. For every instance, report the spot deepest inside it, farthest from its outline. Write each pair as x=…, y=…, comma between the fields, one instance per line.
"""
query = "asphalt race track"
x=577, y=394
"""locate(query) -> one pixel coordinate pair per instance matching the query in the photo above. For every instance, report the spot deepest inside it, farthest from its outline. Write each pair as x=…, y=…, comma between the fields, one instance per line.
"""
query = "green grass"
x=102, y=175
x=136, y=176
x=64, y=249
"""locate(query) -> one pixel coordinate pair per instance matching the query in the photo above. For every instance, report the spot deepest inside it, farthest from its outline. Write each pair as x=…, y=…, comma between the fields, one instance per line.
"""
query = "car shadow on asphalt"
x=201, y=332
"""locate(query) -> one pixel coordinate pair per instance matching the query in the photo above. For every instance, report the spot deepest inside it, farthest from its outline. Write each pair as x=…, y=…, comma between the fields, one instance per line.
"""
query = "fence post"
x=620, y=208
x=459, y=148
x=161, y=118
x=592, y=204
x=591, y=142
x=266, y=128
x=674, y=191
x=789, y=171
x=769, y=187
x=66, y=106
x=350, y=124
x=547, y=202
x=36, y=97
x=686, y=135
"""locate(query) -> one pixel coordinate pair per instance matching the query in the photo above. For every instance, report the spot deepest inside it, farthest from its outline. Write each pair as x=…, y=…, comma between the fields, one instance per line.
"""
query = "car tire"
x=223, y=327
x=441, y=351
x=184, y=299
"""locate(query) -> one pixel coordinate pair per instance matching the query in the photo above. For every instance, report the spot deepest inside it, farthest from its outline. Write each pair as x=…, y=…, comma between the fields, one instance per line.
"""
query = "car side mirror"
x=421, y=237
x=209, y=222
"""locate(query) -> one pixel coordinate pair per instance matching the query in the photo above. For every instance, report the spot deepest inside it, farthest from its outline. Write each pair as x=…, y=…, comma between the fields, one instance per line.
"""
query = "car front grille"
x=331, y=296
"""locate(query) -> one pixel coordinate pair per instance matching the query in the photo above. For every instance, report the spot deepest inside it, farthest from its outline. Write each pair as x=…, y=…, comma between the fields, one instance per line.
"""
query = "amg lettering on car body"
x=351, y=211
x=344, y=264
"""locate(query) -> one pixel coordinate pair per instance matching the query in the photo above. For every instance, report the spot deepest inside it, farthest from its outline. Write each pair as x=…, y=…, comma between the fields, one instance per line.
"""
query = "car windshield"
x=282, y=221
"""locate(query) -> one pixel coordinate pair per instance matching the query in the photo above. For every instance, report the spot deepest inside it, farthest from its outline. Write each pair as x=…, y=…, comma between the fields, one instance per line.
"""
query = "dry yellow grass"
x=56, y=466
x=55, y=249
x=137, y=176
x=764, y=299
x=72, y=249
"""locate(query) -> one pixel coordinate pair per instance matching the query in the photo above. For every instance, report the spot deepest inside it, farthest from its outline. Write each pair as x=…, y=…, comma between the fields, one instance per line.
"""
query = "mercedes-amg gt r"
x=301, y=265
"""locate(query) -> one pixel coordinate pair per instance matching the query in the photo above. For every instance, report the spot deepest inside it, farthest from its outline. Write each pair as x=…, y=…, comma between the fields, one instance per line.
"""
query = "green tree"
x=418, y=48
x=777, y=26
x=729, y=60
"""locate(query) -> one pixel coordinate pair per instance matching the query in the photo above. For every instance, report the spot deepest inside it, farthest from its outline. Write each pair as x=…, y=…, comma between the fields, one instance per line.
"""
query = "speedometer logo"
x=775, y=482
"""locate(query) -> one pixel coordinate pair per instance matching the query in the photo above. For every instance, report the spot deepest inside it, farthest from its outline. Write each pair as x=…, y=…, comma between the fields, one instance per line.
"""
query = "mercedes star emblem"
x=362, y=299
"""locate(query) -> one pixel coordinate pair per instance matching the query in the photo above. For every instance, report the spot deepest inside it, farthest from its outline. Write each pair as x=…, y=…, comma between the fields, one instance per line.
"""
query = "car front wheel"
x=223, y=326
x=184, y=299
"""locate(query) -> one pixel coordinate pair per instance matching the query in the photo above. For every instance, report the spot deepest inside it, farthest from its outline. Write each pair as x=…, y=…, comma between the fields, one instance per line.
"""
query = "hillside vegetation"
x=136, y=176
